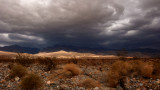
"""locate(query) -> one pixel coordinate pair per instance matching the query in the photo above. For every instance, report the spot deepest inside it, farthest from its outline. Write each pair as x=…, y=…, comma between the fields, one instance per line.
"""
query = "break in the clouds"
x=106, y=23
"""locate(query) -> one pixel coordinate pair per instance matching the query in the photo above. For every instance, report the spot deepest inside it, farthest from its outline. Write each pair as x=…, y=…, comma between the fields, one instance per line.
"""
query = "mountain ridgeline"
x=19, y=49
x=30, y=50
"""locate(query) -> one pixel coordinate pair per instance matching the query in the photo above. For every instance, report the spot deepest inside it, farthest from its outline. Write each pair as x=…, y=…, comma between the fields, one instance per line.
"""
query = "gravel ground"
x=54, y=81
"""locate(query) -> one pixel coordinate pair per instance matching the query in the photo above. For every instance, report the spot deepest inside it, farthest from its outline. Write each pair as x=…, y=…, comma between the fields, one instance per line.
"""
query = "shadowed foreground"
x=78, y=73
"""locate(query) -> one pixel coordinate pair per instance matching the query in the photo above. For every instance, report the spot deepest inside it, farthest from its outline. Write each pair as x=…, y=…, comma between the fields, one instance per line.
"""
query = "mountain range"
x=30, y=50
x=20, y=49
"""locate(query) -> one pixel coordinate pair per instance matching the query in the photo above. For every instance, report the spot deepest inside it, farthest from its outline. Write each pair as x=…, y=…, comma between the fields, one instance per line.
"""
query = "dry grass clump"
x=144, y=69
x=113, y=78
x=118, y=70
x=156, y=69
x=18, y=70
x=122, y=69
x=31, y=82
x=71, y=70
x=147, y=71
x=89, y=83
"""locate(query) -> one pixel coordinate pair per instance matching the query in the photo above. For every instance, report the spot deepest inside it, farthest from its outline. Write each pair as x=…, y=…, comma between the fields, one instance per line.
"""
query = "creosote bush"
x=71, y=70
x=18, y=70
x=31, y=82
x=89, y=83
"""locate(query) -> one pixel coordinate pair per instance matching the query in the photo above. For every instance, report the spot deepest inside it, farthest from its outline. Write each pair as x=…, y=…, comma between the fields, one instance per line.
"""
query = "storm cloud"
x=94, y=23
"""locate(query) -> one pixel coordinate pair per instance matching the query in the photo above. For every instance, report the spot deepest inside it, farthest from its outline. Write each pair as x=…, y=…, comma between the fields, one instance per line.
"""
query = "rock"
x=48, y=82
x=63, y=86
x=8, y=86
x=17, y=78
x=141, y=84
x=81, y=88
x=53, y=85
x=158, y=82
x=58, y=87
x=61, y=81
x=96, y=88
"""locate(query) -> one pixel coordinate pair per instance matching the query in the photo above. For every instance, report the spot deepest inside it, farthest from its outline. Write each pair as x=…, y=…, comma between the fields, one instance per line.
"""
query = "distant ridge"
x=70, y=48
x=73, y=48
x=103, y=51
x=19, y=49
x=89, y=49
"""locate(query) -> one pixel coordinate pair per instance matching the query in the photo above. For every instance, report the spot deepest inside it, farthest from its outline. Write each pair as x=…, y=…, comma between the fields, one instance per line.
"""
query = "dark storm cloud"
x=110, y=23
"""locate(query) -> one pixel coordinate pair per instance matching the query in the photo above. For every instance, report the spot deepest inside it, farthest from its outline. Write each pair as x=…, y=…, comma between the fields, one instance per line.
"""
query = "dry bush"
x=122, y=67
x=137, y=65
x=147, y=70
x=48, y=62
x=141, y=68
x=45, y=60
x=156, y=70
x=72, y=69
x=18, y=70
x=112, y=78
x=6, y=59
x=89, y=83
x=74, y=60
x=67, y=74
x=10, y=65
x=118, y=70
x=31, y=82
x=24, y=59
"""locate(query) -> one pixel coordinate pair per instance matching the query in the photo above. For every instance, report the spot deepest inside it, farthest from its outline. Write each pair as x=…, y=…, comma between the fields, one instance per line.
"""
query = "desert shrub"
x=72, y=69
x=136, y=67
x=18, y=70
x=147, y=70
x=10, y=65
x=31, y=82
x=117, y=71
x=144, y=69
x=156, y=70
x=48, y=62
x=121, y=69
x=67, y=74
x=24, y=59
x=6, y=59
x=112, y=78
x=89, y=83
x=74, y=60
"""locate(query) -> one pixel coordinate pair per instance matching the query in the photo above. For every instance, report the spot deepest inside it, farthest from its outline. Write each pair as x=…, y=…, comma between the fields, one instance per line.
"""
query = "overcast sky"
x=94, y=23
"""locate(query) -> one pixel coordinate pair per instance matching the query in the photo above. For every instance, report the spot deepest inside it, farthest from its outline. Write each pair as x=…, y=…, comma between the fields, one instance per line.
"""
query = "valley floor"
x=89, y=77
